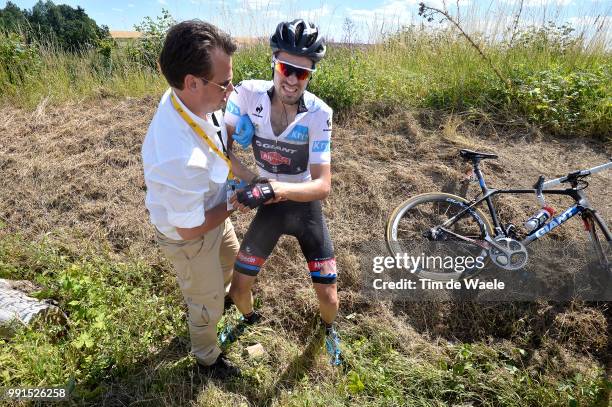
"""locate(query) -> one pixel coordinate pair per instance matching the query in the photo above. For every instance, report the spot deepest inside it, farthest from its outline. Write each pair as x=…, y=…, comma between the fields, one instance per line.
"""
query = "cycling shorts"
x=303, y=220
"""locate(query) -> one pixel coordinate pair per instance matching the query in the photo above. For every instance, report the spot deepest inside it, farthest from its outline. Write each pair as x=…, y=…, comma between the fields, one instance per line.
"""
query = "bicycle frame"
x=582, y=206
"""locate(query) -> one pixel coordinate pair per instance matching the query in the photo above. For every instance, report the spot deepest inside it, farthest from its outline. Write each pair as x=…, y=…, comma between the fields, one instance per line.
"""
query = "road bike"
x=438, y=219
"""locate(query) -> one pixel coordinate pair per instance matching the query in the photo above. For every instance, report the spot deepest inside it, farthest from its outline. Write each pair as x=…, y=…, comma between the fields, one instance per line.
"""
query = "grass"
x=115, y=349
x=126, y=340
x=559, y=80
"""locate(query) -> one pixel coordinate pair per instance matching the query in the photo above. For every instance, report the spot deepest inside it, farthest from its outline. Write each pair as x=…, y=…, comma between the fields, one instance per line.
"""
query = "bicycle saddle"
x=471, y=155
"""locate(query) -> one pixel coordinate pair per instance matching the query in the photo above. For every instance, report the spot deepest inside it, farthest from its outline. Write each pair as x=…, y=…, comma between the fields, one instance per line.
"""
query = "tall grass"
x=558, y=79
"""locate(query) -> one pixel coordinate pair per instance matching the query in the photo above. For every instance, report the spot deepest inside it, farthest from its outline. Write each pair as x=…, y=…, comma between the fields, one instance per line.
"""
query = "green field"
x=72, y=220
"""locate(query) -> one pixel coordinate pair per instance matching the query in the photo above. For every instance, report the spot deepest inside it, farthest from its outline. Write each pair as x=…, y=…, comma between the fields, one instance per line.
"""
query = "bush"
x=342, y=80
x=549, y=37
x=19, y=61
x=563, y=101
x=146, y=49
x=252, y=62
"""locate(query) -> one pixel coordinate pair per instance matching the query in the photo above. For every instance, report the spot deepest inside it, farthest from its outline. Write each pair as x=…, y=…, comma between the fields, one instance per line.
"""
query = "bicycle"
x=435, y=218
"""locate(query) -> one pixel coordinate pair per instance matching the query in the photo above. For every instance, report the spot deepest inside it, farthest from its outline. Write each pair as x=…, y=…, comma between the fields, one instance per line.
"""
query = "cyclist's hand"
x=237, y=205
x=278, y=193
x=244, y=131
x=255, y=195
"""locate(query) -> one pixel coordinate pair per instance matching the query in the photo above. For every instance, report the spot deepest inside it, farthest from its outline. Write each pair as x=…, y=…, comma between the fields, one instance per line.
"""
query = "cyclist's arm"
x=230, y=138
x=239, y=169
x=316, y=189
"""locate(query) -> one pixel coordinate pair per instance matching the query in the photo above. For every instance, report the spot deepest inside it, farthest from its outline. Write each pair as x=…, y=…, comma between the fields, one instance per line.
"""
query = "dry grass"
x=73, y=174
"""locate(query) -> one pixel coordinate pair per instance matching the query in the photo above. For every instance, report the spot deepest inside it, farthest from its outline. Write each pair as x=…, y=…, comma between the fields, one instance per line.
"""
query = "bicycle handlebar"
x=581, y=173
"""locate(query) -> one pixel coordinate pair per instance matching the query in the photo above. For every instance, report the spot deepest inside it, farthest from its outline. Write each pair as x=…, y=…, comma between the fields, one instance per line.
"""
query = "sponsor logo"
x=328, y=265
x=245, y=258
x=556, y=221
x=299, y=133
x=258, y=110
x=275, y=147
x=320, y=146
x=275, y=158
x=329, y=123
x=232, y=108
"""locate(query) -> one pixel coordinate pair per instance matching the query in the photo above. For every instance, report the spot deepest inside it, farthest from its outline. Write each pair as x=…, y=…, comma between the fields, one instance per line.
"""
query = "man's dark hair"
x=187, y=50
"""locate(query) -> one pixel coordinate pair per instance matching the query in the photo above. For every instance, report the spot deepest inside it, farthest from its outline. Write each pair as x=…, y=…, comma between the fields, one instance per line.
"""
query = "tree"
x=12, y=18
x=72, y=29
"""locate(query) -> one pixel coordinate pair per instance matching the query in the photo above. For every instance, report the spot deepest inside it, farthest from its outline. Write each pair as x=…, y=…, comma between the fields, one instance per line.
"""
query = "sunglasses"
x=288, y=69
x=224, y=88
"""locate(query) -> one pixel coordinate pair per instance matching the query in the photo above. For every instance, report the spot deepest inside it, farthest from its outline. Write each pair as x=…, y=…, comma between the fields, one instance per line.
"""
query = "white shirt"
x=286, y=157
x=183, y=175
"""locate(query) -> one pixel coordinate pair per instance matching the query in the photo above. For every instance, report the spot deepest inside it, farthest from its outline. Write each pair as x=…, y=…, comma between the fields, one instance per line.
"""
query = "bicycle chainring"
x=515, y=257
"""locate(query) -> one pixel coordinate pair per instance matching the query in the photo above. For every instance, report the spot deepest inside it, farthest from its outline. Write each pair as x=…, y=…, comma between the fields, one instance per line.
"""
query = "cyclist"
x=291, y=145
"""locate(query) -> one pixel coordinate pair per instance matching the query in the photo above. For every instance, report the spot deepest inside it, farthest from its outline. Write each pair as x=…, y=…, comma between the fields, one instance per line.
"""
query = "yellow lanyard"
x=200, y=132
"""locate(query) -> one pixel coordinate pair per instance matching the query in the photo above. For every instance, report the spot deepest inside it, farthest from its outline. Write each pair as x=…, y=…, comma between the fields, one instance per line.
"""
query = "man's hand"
x=244, y=131
x=237, y=205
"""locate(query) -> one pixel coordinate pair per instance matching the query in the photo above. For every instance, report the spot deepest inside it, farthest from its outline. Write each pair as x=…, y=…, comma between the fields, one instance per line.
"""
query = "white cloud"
x=315, y=13
x=391, y=10
x=163, y=2
x=261, y=4
x=118, y=10
x=538, y=3
x=399, y=11
x=131, y=5
x=591, y=22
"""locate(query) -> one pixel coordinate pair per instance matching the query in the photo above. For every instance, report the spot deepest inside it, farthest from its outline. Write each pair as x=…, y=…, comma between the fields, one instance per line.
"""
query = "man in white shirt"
x=187, y=173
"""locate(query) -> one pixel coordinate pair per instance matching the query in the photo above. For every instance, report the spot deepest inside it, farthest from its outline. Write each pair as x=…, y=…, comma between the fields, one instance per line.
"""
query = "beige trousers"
x=203, y=270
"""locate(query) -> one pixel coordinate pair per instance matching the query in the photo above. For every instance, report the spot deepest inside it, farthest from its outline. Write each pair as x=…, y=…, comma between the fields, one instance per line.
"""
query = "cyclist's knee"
x=241, y=284
x=327, y=294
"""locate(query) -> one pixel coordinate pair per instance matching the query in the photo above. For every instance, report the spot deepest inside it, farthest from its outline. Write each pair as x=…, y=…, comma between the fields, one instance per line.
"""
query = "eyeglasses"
x=288, y=69
x=224, y=88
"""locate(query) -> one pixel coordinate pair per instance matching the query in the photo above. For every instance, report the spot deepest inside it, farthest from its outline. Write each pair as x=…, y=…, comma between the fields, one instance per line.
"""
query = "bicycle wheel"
x=410, y=226
x=601, y=271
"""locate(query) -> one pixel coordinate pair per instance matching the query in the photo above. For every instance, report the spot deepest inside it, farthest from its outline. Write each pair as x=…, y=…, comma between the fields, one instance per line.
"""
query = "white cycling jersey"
x=305, y=141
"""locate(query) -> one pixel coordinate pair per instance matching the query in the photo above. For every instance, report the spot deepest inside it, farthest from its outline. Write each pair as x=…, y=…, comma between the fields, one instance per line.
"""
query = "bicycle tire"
x=602, y=272
x=417, y=203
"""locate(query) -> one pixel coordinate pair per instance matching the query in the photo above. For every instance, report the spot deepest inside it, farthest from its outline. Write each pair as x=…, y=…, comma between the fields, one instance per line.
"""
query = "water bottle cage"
x=539, y=186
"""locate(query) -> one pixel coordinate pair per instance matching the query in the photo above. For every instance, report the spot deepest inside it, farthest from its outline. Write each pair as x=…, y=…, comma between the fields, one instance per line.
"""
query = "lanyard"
x=200, y=132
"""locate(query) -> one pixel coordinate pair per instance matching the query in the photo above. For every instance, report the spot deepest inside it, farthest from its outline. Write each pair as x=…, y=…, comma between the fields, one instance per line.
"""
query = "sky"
x=368, y=18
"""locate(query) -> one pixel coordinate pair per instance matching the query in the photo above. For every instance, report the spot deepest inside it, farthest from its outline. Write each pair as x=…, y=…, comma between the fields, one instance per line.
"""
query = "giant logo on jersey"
x=280, y=157
x=275, y=158
x=298, y=133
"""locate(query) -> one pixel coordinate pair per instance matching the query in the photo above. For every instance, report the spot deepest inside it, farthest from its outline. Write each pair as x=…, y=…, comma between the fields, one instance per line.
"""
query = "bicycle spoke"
x=417, y=222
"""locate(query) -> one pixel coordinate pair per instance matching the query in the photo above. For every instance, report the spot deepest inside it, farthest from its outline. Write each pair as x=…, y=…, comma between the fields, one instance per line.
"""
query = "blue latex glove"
x=244, y=131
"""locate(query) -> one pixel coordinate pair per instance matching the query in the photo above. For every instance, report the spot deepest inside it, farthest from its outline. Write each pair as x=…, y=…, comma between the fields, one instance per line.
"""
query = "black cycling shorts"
x=305, y=221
